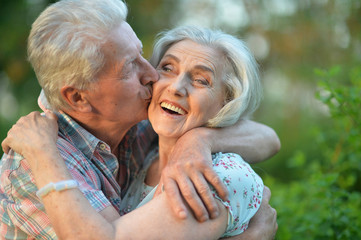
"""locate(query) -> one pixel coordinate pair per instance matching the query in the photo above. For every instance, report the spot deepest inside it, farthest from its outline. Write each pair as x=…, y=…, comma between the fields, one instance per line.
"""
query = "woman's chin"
x=167, y=132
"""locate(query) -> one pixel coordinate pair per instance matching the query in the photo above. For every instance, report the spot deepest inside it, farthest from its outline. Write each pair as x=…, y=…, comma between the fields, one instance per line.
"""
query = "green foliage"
x=326, y=202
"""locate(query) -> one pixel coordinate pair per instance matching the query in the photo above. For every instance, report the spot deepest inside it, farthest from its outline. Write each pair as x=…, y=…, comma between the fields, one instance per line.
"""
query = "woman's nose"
x=178, y=86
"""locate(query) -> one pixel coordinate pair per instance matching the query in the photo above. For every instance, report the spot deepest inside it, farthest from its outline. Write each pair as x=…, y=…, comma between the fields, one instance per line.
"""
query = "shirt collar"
x=84, y=140
x=81, y=138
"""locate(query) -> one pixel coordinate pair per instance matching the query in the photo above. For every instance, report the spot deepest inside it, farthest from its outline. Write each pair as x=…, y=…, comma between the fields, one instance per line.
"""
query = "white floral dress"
x=245, y=189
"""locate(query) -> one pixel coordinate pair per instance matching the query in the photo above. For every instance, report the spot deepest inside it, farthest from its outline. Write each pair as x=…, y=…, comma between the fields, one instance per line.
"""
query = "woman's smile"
x=189, y=91
x=172, y=108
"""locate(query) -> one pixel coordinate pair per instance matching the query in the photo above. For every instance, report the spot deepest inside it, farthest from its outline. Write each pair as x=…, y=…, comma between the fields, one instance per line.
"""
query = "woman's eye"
x=202, y=81
x=167, y=68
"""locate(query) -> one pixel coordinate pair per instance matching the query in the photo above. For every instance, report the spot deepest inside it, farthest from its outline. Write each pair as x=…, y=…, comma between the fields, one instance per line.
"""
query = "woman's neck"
x=155, y=170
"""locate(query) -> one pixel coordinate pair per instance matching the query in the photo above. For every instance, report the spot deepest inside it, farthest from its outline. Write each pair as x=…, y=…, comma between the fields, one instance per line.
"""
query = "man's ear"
x=75, y=98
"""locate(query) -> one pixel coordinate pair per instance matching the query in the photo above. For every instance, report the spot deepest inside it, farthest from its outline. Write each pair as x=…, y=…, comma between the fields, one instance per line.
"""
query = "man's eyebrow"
x=129, y=60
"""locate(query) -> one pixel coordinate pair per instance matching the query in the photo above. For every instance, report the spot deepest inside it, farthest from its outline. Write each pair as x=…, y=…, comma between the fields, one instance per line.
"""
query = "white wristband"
x=59, y=186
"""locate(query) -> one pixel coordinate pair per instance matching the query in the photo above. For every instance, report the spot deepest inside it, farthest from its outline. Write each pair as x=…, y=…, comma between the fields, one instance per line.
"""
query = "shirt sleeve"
x=245, y=189
x=22, y=213
x=81, y=170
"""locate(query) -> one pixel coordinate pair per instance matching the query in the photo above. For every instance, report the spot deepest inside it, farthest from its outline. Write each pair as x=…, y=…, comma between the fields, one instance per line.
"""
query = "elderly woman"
x=207, y=78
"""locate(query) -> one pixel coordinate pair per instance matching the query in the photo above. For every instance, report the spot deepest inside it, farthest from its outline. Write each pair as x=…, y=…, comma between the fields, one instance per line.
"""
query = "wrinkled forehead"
x=191, y=53
x=122, y=42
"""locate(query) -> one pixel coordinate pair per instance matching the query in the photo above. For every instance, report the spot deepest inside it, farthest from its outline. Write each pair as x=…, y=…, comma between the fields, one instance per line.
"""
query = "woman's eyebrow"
x=173, y=57
x=204, y=69
x=199, y=67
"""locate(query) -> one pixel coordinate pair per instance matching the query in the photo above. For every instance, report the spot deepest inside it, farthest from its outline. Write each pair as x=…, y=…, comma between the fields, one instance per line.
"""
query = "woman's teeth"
x=172, y=108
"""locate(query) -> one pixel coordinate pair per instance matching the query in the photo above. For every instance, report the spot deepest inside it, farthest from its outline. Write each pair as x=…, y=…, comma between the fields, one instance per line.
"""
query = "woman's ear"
x=76, y=99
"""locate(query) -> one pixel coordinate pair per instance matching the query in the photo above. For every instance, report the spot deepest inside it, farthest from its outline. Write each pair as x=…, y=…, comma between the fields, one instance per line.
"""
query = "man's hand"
x=30, y=132
x=264, y=221
x=263, y=225
x=188, y=175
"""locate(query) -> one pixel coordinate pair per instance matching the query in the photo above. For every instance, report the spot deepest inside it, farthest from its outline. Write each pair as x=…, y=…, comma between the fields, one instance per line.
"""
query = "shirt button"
x=102, y=146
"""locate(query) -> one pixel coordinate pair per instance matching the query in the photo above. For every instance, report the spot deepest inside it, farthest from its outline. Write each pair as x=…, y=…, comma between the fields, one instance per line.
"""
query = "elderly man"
x=89, y=62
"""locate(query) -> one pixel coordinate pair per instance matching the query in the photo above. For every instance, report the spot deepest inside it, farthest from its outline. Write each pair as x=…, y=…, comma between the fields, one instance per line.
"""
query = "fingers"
x=266, y=194
x=196, y=193
x=213, y=178
x=5, y=146
x=194, y=187
x=194, y=201
x=29, y=129
x=206, y=195
x=49, y=114
x=175, y=199
x=274, y=220
x=6, y=143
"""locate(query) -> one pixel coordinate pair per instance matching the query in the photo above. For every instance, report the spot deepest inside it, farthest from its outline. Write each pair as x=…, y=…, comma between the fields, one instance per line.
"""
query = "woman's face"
x=190, y=90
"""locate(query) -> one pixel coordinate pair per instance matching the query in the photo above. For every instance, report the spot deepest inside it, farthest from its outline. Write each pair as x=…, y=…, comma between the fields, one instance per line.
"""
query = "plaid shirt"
x=90, y=162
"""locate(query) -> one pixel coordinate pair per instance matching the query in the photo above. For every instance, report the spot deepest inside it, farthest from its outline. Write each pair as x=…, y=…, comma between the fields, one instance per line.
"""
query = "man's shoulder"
x=71, y=153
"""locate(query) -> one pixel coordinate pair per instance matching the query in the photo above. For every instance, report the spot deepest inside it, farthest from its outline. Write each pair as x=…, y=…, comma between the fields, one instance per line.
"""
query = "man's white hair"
x=65, y=43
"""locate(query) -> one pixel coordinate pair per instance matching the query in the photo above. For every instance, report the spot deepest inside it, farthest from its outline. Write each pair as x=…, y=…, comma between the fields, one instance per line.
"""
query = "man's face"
x=124, y=88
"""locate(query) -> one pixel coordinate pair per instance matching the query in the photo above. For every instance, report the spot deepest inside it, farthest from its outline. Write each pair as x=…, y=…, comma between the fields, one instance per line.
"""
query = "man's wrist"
x=37, y=152
x=202, y=135
x=252, y=233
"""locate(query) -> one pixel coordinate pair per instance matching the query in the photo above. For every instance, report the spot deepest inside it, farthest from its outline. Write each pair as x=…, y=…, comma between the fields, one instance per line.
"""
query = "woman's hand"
x=32, y=133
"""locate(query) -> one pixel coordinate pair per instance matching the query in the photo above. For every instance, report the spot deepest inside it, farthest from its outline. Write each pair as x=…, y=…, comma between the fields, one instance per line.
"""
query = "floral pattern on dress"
x=245, y=188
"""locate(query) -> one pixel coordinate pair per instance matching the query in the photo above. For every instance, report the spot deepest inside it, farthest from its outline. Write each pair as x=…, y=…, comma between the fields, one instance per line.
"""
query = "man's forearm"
x=255, y=142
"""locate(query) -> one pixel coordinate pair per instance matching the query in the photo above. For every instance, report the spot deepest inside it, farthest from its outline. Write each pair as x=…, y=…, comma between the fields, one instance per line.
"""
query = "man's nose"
x=150, y=75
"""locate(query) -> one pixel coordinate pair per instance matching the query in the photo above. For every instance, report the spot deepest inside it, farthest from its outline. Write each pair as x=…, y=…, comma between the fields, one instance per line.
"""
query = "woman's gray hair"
x=64, y=45
x=243, y=90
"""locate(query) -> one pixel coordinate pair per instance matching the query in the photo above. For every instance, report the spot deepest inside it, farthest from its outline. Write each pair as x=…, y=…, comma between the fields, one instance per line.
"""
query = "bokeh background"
x=309, y=54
